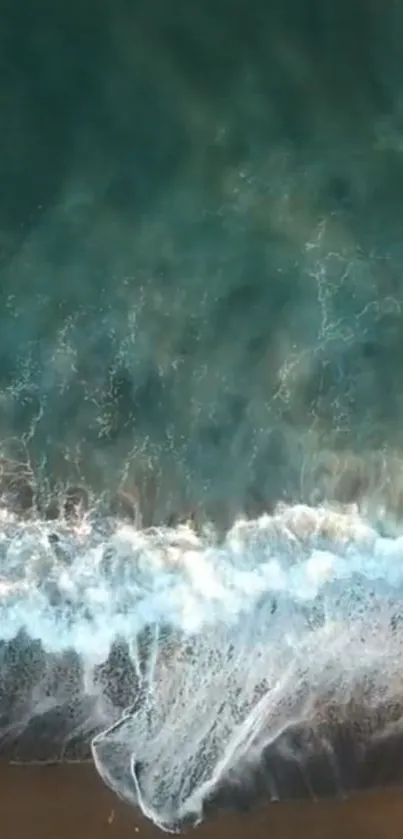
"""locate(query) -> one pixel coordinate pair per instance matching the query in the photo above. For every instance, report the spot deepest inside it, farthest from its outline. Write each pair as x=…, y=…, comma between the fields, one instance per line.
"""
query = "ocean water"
x=200, y=244
x=201, y=385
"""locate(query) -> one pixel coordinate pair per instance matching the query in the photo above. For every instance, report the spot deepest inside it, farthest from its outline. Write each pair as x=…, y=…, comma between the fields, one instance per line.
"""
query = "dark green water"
x=201, y=209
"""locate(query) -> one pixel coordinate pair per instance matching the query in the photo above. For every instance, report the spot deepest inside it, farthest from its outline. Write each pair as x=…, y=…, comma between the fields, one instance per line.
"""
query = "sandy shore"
x=43, y=802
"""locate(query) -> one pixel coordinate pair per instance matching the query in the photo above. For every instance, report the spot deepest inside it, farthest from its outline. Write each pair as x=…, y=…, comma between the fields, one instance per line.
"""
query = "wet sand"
x=43, y=802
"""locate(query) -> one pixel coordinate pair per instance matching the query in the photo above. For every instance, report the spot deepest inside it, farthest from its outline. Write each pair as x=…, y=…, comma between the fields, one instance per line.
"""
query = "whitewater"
x=234, y=641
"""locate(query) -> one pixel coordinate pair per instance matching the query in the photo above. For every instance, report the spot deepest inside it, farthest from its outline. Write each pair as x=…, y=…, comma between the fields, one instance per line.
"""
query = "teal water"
x=200, y=244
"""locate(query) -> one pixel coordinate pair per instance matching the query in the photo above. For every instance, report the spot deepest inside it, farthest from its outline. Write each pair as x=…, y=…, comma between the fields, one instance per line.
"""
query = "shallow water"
x=206, y=672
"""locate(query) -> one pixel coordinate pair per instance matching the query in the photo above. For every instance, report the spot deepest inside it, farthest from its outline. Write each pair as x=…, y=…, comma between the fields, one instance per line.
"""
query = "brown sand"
x=53, y=802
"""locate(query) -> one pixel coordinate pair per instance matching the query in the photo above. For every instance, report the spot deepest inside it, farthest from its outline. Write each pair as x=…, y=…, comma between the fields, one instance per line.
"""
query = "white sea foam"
x=282, y=610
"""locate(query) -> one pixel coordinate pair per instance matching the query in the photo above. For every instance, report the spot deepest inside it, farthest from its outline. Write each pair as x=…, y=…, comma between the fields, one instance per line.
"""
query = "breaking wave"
x=244, y=649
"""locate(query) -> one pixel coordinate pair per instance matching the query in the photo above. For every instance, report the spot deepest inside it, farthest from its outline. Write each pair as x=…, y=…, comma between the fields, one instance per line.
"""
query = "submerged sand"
x=43, y=802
